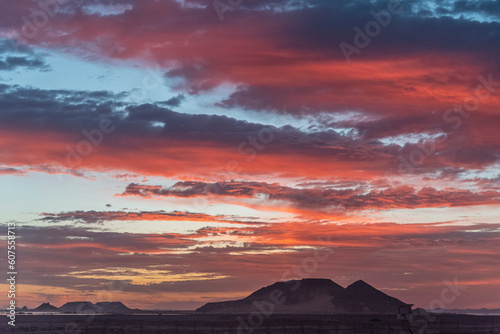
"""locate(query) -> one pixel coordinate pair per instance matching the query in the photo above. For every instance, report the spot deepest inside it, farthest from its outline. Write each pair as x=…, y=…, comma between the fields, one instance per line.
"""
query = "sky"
x=169, y=153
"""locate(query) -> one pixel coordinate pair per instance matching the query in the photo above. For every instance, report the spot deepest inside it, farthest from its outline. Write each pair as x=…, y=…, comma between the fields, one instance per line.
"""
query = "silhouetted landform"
x=114, y=307
x=88, y=307
x=84, y=308
x=45, y=307
x=78, y=307
x=309, y=296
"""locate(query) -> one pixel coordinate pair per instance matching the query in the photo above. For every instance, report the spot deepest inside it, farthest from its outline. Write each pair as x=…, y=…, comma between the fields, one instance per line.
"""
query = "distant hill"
x=86, y=307
x=112, y=307
x=361, y=297
x=78, y=307
x=46, y=307
x=23, y=309
x=311, y=296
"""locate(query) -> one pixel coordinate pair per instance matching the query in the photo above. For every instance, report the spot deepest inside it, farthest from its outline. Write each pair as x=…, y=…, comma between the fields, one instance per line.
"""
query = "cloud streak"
x=325, y=198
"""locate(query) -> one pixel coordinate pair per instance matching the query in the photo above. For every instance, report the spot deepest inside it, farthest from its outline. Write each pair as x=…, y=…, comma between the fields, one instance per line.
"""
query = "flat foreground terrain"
x=234, y=324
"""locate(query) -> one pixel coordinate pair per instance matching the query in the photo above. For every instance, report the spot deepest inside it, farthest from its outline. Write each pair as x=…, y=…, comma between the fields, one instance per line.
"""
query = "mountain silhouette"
x=85, y=308
x=310, y=296
x=112, y=307
x=362, y=296
x=46, y=307
x=78, y=307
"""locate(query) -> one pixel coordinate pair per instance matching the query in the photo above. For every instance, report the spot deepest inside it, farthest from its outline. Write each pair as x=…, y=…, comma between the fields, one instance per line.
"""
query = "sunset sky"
x=168, y=153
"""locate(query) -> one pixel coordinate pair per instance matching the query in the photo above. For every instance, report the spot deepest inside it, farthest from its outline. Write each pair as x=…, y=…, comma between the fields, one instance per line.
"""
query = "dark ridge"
x=312, y=295
x=88, y=307
x=46, y=307
x=361, y=295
